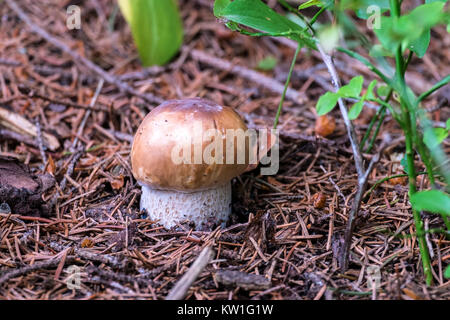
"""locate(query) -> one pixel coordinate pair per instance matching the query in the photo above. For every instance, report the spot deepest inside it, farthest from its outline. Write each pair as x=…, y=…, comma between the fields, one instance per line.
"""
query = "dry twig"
x=248, y=74
x=181, y=288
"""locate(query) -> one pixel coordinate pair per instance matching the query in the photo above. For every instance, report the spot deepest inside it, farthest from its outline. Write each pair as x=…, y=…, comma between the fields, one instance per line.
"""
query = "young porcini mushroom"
x=184, y=155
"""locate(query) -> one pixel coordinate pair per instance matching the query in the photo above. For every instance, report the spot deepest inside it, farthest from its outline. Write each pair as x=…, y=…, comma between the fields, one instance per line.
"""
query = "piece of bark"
x=21, y=190
x=262, y=226
x=123, y=238
x=246, y=281
x=19, y=124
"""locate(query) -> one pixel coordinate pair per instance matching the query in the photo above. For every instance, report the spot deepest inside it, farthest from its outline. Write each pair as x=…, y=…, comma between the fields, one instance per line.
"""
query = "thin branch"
x=40, y=142
x=181, y=288
x=52, y=263
x=362, y=184
x=362, y=173
x=248, y=74
x=288, y=80
x=343, y=109
x=33, y=94
x=85, y=254
x=87, y=114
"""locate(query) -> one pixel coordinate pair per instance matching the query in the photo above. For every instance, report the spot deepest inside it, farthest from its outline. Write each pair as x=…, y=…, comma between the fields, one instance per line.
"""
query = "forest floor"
x=286, y=228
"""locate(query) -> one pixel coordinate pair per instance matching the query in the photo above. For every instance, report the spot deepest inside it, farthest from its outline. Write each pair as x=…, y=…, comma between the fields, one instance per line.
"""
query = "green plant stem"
x=379, y=115
x=408, y=60
x=437, y=154
x=376, y=184
x=295, y=11
x=368, y=64
x=437, y=86
x=291, y=69
x=395, y=7
x=377, y=129
x=416, y=215
x=412, y=189
x=416, y=137
x=349, y=292
x=316, y=16
x=429, y=231
x=369, y=129
x=439, y=231
x=409, y=127
x=426, y=160
x=447, y=225
x=401, y=69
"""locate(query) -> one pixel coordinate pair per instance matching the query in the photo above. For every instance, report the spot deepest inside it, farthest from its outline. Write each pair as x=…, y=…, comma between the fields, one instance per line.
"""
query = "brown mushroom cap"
x=175, y=121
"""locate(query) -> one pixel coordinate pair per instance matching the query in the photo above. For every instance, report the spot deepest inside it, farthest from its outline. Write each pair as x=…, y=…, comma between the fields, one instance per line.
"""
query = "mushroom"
x=184, y=155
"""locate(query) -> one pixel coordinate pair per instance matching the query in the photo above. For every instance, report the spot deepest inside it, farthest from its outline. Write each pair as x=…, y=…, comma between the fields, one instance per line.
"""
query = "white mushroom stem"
x=203, y=208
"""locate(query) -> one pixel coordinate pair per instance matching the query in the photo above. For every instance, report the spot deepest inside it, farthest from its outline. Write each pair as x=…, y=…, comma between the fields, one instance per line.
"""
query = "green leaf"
x=369, y=93
x=428, y=14
x=431, y=200
x=353, y=88
x=410, y=30
x=441, y=134
x=383, y=91
x=387, y=35
x=447, y=272
x=355, y=110
x=267, y=63
x=296, y=19
x=433, y=137
x=363, y=8
x=156, y=27
x=420, y=45
x=378, y=51
x=326, y=103
x=310, y=3
x=257, y=15
x=219, y=5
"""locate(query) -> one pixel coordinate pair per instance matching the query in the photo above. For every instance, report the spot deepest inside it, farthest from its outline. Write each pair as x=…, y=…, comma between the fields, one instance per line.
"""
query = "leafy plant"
x=400, y=33
x=352, y=90
x=156, y=27
x=432, y=200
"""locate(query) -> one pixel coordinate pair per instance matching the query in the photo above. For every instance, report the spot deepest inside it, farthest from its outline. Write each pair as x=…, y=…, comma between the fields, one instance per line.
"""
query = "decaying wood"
x=21, y=190
x=37, y=266
x=243, y=280
x=20, y=125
